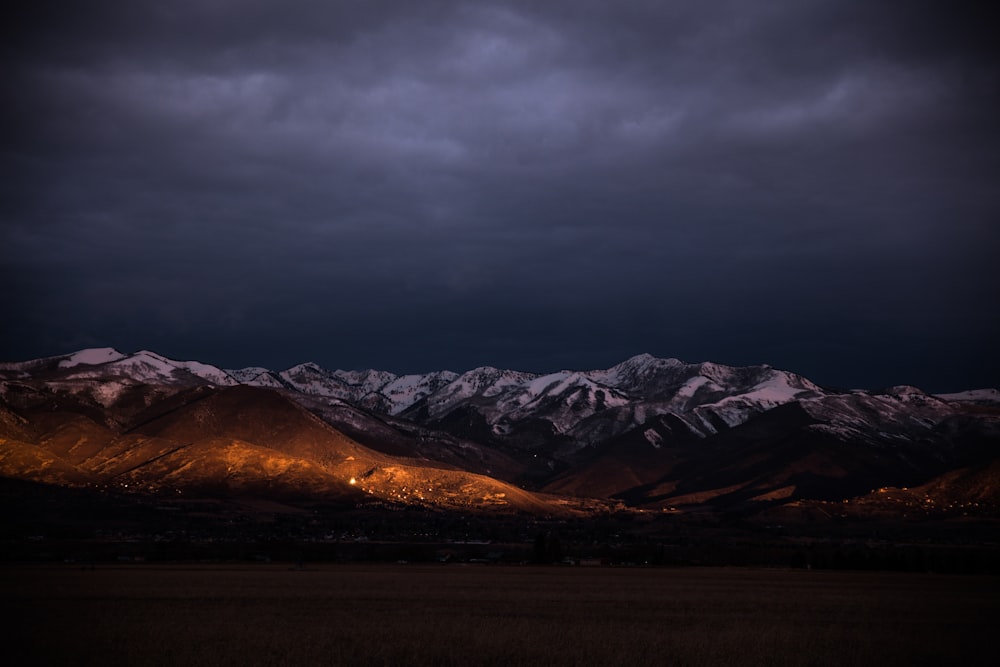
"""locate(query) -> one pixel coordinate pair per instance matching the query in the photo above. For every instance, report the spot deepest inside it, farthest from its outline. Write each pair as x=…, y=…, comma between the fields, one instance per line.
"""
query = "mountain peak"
x=91, y=356
x=647, y=359
x=641, y=358
x=306, y=366
x=371, y=379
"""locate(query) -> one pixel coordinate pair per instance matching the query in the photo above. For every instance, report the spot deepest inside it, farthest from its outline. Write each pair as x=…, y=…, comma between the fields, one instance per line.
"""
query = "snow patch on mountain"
x=485, y=381
x=691, y=387
x=566, y=389
x=636, y=372
x=541, y=385
x=211, y=373
x=365, y=382
x=310, y=378
x=653, y=438
x=106, y=393
x=91, y=357
x=149, y=367
x=406, y=390
x=877, y=416
x=775, y=390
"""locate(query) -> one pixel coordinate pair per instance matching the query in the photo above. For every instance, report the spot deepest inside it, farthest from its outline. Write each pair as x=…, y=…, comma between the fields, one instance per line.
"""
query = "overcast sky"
x=535, y=185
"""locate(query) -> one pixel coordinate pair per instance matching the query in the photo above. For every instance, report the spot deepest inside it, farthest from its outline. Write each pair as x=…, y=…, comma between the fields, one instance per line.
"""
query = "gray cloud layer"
x=413, y=185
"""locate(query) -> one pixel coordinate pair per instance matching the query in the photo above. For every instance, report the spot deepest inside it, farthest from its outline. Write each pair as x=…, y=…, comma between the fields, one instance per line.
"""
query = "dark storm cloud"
x=412, y=185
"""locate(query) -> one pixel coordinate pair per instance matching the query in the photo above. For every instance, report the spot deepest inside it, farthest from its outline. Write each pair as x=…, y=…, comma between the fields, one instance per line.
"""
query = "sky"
x=418, y=185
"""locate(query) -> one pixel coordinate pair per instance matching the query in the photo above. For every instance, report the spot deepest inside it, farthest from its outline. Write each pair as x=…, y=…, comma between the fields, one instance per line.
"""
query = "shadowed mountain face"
x=652, y=433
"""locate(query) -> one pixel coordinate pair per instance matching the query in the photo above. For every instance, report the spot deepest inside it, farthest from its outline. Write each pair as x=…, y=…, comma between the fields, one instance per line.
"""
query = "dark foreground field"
x=482, y=615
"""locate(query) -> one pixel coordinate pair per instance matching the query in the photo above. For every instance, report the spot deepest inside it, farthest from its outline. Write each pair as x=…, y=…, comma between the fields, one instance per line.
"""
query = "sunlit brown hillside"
x=242, y=440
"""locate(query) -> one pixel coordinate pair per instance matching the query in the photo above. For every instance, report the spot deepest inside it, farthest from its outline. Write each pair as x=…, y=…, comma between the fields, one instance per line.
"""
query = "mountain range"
x=646, y=434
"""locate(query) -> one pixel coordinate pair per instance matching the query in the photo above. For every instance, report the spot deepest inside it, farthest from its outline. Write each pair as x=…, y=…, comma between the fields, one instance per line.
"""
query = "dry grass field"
x=482, y=615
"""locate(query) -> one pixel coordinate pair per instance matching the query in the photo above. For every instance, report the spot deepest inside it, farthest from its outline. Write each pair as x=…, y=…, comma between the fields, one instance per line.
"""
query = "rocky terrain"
x=647, y=434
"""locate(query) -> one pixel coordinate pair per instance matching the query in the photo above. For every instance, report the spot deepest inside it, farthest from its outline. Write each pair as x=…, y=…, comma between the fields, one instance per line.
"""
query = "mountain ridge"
x=648, y=432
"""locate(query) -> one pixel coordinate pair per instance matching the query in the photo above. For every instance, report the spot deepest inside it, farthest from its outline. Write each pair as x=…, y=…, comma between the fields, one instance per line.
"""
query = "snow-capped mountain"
x=91, y=357
x=647, y=429
x=574, y=409
x=584, y=408
x=107, y=363
x=516, y=405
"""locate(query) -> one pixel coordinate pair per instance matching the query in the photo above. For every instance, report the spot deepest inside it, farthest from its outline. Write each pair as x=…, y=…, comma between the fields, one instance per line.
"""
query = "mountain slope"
x=652, y=432
x=243, y=440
